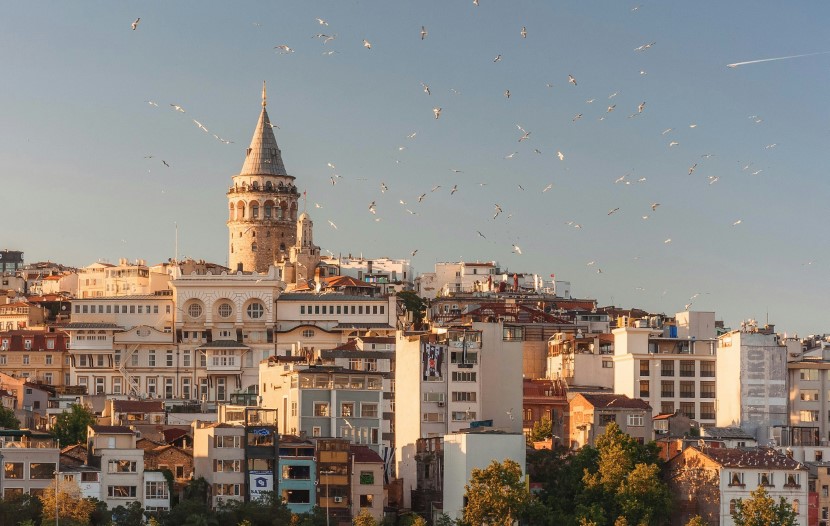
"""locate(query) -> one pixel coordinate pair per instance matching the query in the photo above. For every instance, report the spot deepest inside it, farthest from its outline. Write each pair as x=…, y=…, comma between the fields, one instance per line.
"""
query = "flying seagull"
x=437, y=112
x=523, y=32
x=134, y=25
x=367, y=44
x=424, y=34
x=572, y=80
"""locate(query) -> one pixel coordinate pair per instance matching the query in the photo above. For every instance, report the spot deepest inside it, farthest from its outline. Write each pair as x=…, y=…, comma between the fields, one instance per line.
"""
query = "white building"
x=384, y=272
x=752, y=376
x=672, y=368
x=219, y=457
x=464, y=452
x=447, y=380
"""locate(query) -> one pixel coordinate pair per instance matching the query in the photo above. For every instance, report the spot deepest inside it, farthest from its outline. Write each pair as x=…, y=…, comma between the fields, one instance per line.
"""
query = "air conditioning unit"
x=441, y=403
x=338, y=499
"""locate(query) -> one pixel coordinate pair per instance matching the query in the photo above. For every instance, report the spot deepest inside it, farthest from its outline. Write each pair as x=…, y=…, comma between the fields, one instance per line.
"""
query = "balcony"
x=216, y=364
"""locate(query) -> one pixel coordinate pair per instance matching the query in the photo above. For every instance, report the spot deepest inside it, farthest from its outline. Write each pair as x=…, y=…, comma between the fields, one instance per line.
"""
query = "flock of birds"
x=326, y=37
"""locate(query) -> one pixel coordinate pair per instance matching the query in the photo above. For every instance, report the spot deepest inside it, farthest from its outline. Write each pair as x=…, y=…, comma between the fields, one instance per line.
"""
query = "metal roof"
x=263, y=157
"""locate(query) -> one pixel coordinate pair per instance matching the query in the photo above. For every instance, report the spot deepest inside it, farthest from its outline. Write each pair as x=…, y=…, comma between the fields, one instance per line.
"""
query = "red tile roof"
x=112, y=430
x=138, y=406
x=365, y=455
x=760, y=458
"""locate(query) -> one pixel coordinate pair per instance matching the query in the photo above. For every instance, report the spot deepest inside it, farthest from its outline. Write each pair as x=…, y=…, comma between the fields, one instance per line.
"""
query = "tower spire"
x=264, y=99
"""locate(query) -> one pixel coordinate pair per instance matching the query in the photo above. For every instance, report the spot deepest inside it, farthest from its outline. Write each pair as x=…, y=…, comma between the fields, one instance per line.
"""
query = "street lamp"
x=327, y=473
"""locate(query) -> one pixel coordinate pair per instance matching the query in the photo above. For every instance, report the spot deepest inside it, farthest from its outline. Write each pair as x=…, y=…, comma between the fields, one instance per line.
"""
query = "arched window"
x=732, y=507
x=194, y=310
x=255, y=211
x=255, y=185
x=269, y=185
x=268, y=210
x=282, y=247
x=225, y=310
x=255, y=310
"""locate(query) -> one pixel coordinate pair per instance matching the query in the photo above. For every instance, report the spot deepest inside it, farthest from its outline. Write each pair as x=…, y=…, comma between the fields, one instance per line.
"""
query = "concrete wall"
x=464, y=452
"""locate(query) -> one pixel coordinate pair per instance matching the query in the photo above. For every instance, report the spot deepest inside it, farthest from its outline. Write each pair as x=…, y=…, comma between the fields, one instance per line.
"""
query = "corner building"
x=262, y=204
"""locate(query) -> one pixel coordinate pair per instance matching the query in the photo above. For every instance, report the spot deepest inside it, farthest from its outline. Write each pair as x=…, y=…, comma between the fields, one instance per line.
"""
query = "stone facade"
x=262, y=204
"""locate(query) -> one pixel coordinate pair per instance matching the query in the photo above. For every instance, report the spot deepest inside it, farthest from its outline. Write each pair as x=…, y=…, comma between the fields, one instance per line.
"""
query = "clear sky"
x=76, y=132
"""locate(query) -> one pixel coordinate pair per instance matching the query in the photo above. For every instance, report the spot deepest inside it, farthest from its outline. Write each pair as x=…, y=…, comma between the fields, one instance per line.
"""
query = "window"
x=371, y=364
x=227, y=441
x=707, y=410
x=367, y=477
x=809, y=395
x=667, y=389
x=792, y=480
x=765, y=479
x=433, y=397
x=688, y=409
x=687, y=389
x=809, y=374
x=227, y=466
x=121, y=492
x=366, y=501
x=732, y=506
x=368, y=410
x=809, y=415
x=169, y=359
x=194, y=310
x=151, y=358
x=226, y=489
x=121, y=466
x=433, y=417
x=151, y=387
x=296, y=496
x=302, y=309
x=13, y=470
x=607, y=364
x=316, y=431
x=347, y=409
x=667, y=367
x=736, y=478
x=321, y=409
x=635, y=421
x=308, y=333
x=605, y=419
x=687, y=368
x=134, y=359
x=27, y=345
x=156, y=490
x=463, y=416
x=25, y=359
x=463, y=376
x=463, y=396
x=707, y=369
x=185, y=358
x=644, y=388
x=255, y=310
x=296, y=472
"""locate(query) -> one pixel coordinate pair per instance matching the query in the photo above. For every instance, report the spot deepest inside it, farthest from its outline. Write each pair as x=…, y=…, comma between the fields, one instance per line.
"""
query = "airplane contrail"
x=736, y=64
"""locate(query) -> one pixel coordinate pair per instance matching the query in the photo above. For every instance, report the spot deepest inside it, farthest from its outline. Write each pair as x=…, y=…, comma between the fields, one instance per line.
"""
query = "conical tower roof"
x=263, y=157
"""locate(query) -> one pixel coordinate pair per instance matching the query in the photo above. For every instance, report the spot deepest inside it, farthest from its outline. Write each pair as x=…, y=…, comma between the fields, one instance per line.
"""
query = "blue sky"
x=76, y=129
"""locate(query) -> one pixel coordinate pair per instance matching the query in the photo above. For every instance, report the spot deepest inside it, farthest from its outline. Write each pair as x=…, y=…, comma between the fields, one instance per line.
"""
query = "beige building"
x=219, y=457
x=672, y=367
x=29, y=466
x=21, y=315
x=367, y=482
x=591, y=413
x=585, y=360
x=262, y=204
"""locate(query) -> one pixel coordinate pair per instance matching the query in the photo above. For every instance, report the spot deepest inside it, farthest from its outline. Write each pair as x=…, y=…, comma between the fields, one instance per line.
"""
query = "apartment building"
x=368, y=472
x=297, y=473
x=29, y=463
x=37, y=356
x=17, y=315
x=581, y=359
x=450, y=379
x=709, y=481
x=671, y=368
x=592, y=413
x=326, y=401
x=752, y=391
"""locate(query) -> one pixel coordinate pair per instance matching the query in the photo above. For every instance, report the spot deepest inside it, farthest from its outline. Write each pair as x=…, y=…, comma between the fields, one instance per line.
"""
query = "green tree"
x=761, y=510
x=71, y=426
x=445, y=520
x=364, y=519
x=496, y=495
x=697, y=520
x=413, y=519
x=315, y=517
x=7, y=419
x=19, y=509
x=266, y=511
x=414, y=304
x=130, y=515
x=542, y=430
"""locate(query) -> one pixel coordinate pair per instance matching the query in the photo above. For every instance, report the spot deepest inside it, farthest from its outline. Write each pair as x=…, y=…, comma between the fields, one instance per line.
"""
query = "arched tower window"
x=269, y=185
x=230, y=212
x=253, y=247
x=255, y=185
x=255, y=210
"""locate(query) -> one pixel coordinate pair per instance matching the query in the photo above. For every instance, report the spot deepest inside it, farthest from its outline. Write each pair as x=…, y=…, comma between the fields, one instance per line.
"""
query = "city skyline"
x=79, y=133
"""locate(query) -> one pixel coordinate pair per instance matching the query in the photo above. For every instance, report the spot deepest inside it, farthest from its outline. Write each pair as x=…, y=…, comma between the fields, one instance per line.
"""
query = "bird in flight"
x=426, y=88
x=667, y=241
x=480, y=234
x=383, y=188
x=200, y=125
x=424, y=34
x=436, y=111
x=738, y=222
x=654, y=206
x=454, y=189
x=577, y=117
x=367, y=44
x=610, y=108
x=645, y=46
x=176, y=107
x=510, y=156
x=165, y=163
x=572, y=80
x=455, y=170
x=673, y=143
x=372, y=207
x=517, y=249
x=507, y=93
x=332, y=224
x=612, y=211
x=322, y=22
x=548, y=187
x=641, y=107
x=284, y=49
x=692, y=169
x=524, y=137
x=134, y=25
x=497, y=59
x=421, y=197
x=414, y=252
x=475, y=3
x=523, y=32
x=152, y=103
x=436, y=187
x=560, y=155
